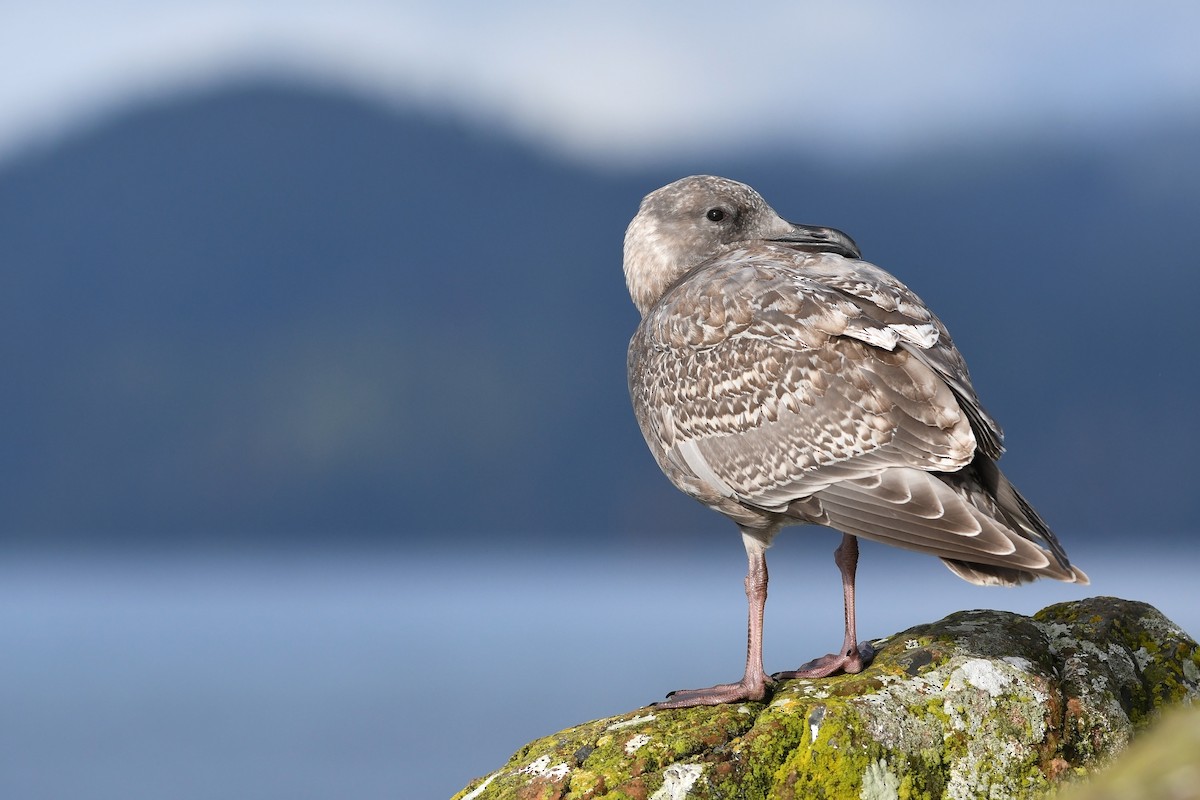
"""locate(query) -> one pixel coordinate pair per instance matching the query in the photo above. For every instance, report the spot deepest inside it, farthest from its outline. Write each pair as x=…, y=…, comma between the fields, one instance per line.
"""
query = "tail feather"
x=992, y=575
x=974, y=520
x=1013, y=507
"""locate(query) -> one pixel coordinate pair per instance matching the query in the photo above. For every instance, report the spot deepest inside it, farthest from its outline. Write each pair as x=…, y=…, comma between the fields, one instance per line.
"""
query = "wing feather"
x=754, y=379
x=813, y=387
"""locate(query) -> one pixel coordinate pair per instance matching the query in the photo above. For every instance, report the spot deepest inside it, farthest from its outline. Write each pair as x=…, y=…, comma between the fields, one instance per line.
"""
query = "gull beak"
x=814, y=239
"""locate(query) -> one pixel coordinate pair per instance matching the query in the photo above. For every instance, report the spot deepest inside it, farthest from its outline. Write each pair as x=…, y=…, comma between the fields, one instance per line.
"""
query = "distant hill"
x=273, y=311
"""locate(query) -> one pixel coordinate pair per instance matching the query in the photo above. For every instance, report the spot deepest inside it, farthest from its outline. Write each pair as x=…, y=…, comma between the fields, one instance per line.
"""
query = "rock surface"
x=980, y=704
x=1162, y=765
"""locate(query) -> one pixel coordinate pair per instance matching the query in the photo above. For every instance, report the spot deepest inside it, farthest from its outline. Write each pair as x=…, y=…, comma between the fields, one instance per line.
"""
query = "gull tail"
x=973, y=519
x=1015, y=511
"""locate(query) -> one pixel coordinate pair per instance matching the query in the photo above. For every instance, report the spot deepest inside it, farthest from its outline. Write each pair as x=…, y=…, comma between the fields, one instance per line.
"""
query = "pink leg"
x=853, y=656
x=754, y=682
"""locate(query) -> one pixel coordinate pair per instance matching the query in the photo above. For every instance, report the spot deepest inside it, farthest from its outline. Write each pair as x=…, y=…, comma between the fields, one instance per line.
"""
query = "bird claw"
x=743, y=690
x=833, y=664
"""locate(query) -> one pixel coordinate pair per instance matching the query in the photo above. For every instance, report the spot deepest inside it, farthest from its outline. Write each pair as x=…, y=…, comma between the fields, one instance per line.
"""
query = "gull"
x=779, y=379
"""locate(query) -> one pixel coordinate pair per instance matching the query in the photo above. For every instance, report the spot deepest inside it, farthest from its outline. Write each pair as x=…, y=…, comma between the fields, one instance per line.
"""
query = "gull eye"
x=715, y=214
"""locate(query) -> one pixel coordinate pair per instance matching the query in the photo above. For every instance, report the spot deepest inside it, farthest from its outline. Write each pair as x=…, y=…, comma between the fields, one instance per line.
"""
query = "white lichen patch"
x=995, y=703
x=975, y=775
x=878, y=782
x=1094, y=649
x=1024, y=668
x=1121, y=665
x=814, y=721
x=1190, y=672
x=478, y=790
x=982, y=674
x=535, y=767
x=628, y=723
x=911, y=644
x=1142, y=657
x=540, y=768
x=678, y=779
x=1023, y=664
x=636, y=743
x=557, y=771
x=1055, y=630
x=811, y=689
x=1163, y=629
x=893, y=714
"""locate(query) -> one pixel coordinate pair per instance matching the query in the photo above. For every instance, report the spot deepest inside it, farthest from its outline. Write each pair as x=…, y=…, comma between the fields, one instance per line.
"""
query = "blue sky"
x=624, y=81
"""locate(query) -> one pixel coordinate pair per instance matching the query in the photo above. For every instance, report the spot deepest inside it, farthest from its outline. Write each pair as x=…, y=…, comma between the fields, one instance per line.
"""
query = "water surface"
x=402, y=675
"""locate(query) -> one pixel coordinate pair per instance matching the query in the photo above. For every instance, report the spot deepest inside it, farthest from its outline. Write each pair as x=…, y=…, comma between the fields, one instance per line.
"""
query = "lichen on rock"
x=1162, y=765
x=980, y=704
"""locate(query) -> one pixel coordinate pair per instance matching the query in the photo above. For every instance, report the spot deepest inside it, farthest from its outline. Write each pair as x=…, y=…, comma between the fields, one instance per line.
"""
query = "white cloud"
x=626, y=80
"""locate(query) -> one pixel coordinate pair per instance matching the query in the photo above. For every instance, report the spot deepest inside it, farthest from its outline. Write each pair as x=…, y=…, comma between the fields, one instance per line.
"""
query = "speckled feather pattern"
x=779, y=385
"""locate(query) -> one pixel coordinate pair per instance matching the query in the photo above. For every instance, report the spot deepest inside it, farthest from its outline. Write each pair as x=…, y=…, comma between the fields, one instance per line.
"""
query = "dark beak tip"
x=846, y=247
x=818, y=239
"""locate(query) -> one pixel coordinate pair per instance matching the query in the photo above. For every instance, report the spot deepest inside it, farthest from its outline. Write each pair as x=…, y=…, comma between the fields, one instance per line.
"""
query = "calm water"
x=390, y=676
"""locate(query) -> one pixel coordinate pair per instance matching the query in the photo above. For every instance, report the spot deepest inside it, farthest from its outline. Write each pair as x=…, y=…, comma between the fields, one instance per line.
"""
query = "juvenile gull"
x=781, y=380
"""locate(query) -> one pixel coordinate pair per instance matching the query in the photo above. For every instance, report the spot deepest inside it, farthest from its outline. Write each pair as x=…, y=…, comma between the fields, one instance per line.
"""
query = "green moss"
x=830, y=766
x=981, y=704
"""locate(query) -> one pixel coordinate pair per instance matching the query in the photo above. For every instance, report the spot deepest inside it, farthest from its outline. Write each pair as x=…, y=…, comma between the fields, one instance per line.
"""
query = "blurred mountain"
x=269, y=312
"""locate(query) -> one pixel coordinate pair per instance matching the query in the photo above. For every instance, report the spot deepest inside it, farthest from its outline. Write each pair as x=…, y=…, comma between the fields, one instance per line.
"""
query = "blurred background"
x=319, y=473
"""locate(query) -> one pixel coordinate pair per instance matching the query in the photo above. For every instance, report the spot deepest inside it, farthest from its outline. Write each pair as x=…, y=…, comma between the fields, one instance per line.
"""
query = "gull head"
x=695, y=219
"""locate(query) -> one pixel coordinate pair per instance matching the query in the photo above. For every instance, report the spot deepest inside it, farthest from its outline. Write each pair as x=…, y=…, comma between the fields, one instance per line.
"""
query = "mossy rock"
x=1162, y=765
x=980, y=704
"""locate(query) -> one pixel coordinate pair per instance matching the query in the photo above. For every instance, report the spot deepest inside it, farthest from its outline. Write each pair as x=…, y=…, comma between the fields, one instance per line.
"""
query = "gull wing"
x=767, y=374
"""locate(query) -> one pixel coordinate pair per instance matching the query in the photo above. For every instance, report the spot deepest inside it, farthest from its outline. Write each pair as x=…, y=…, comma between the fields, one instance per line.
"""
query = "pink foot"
x=716, y=695
x=848, y=663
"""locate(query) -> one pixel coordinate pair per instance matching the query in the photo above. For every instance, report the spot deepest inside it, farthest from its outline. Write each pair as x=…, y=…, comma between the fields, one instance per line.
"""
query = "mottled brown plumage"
x=779, y=380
